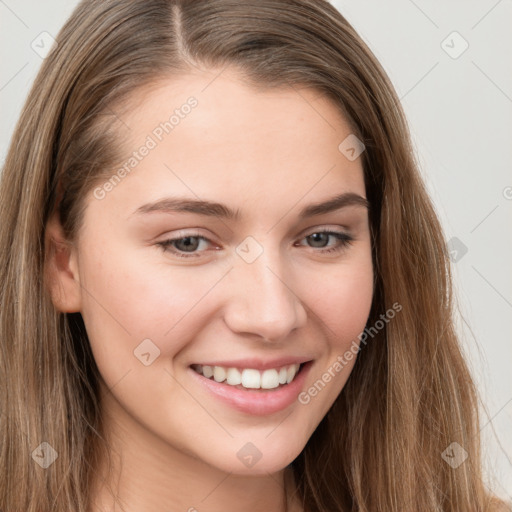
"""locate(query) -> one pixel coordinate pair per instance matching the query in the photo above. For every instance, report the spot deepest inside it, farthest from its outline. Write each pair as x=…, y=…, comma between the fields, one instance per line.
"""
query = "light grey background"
x=459, y=107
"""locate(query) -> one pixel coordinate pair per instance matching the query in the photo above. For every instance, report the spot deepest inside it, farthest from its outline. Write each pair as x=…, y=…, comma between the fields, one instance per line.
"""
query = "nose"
x=262, y=300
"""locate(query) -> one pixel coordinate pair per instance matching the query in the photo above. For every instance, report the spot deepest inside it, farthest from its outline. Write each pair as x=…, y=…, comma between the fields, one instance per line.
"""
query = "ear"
x=61, y=268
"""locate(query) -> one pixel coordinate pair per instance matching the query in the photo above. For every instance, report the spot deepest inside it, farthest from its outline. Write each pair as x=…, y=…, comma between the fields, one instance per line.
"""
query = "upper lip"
x=258, y=364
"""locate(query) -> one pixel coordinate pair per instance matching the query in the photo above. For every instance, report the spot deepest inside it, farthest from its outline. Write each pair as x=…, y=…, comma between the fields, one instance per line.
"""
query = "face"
x=221, y=331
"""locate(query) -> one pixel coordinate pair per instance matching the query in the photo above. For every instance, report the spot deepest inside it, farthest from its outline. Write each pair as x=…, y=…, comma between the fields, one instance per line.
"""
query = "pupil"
x=317, y=237
x=186, y=243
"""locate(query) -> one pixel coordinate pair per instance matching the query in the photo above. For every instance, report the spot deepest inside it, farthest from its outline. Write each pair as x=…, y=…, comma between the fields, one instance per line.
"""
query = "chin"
x=257, y=457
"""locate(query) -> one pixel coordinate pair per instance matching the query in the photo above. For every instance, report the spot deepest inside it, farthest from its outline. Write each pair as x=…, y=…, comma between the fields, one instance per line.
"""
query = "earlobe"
x=61, y=269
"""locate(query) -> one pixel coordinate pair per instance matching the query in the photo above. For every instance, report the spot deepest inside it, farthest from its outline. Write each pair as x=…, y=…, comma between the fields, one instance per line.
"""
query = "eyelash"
x=344, y=239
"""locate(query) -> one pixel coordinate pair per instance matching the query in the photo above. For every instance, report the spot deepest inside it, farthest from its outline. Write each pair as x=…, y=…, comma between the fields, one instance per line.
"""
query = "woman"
x=173, y=338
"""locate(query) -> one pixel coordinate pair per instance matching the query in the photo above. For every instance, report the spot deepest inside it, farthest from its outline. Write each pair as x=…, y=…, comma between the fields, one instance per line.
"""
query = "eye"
x=188, y=246
x=320, y=239
x=185, y=246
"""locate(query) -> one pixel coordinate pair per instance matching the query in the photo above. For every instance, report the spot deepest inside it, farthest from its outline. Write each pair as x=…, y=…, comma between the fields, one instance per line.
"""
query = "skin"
x=268, y=154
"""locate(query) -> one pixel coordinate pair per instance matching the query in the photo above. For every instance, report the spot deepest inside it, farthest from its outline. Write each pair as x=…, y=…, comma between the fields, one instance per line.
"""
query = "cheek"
x=343, y=302
x=130, y=295
x=341, y=308
x=127, y=299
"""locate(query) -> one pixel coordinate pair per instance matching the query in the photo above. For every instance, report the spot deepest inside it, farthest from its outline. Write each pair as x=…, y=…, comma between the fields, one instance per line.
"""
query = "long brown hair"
x=410, y=394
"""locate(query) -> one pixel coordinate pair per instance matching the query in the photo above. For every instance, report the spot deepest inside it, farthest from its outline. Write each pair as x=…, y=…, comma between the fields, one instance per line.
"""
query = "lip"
x=255, y=402
x=257, y=364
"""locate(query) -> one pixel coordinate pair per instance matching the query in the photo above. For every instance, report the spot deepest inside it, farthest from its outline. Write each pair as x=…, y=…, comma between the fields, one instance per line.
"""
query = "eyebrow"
x=210, y=208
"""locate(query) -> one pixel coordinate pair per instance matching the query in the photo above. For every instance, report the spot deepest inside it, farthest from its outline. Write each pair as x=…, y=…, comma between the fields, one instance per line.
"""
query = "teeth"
x=219, y=374
x=248, y=377
x=251, y=379
x=290, y=374
x=233, y=377
x=269, y=379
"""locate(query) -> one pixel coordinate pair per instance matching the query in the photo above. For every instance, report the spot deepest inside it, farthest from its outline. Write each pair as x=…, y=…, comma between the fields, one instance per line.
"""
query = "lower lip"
x=256, y=402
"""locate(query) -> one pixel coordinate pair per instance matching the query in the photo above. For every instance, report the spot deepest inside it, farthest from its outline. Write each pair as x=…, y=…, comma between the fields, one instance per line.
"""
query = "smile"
x=258, y=392
x=249, y=378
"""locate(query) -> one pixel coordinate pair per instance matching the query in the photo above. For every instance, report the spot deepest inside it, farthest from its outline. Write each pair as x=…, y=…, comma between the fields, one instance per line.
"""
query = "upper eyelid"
x=343, y=238
x=325, y=226
x=307, y=232
x=304, y=234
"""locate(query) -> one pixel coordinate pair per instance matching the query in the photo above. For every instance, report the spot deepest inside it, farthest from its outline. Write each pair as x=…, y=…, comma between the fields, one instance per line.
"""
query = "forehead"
x=213, y=135
x=230, y=111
